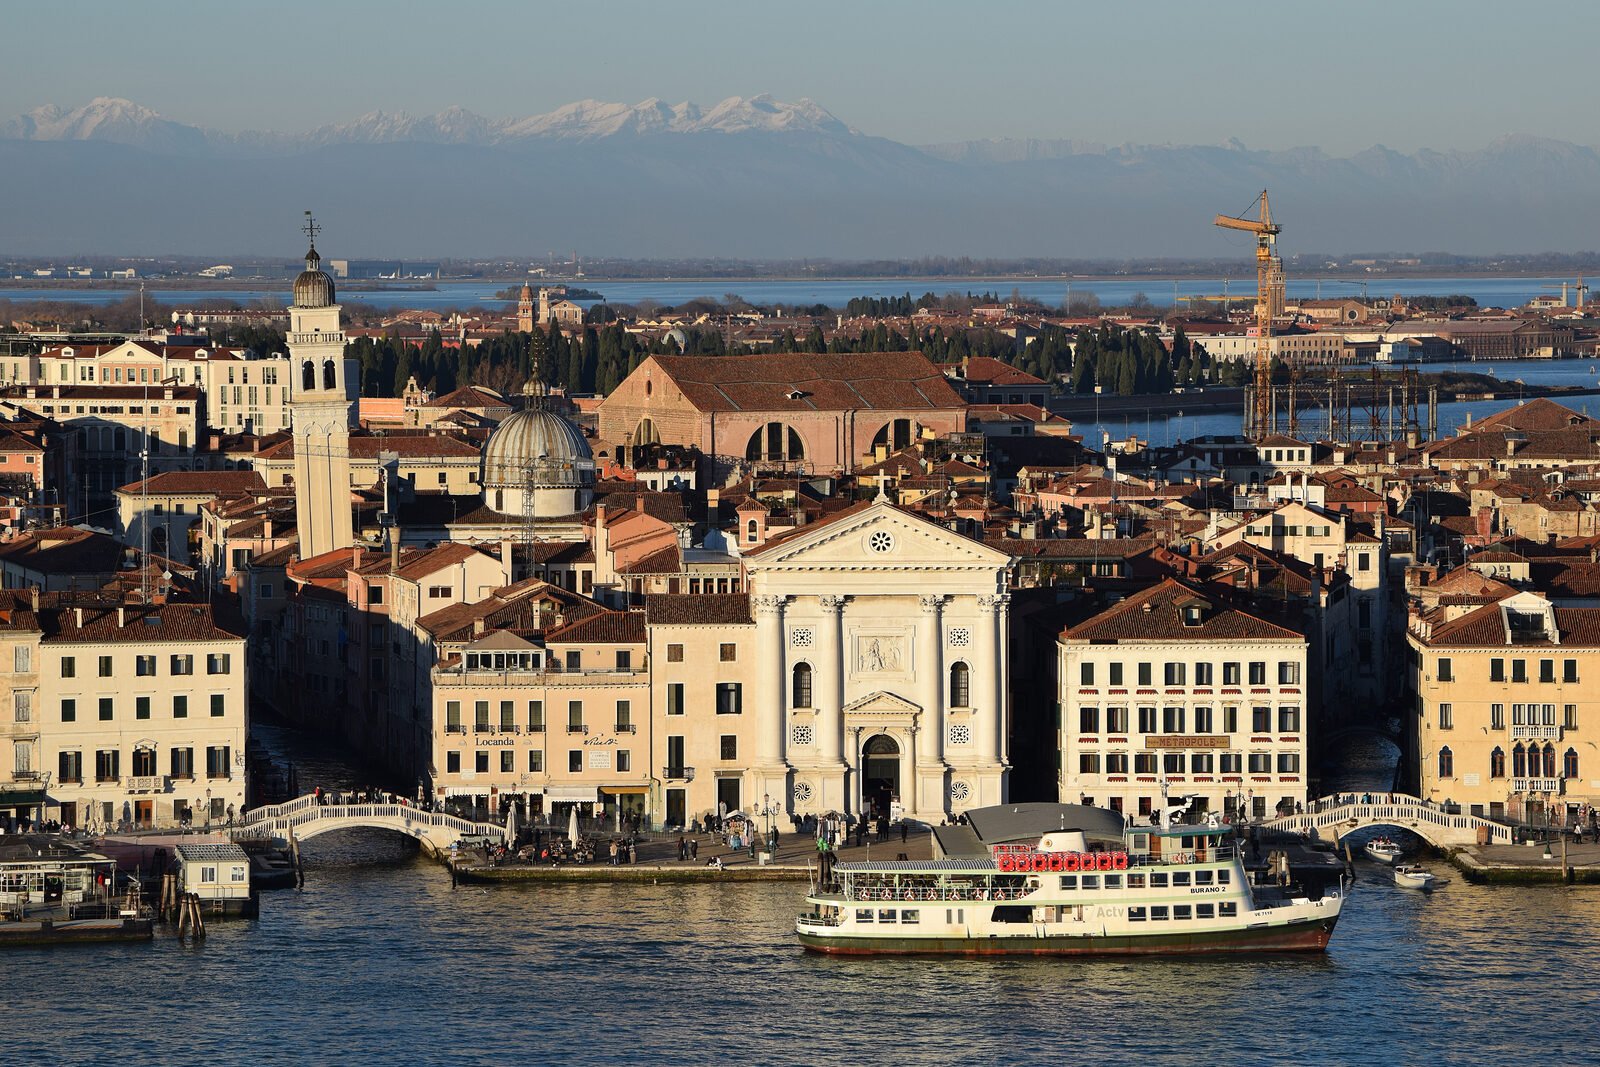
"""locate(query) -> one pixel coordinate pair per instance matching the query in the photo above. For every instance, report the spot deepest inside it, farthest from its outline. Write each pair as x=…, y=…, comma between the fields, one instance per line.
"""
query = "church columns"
x=931, y=669
x=770, y=724
x=830, y=718
x=991, y=724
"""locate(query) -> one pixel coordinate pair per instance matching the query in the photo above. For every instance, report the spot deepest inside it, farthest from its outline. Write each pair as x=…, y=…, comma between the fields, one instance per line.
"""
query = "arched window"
x=895, y=435
x=775, y=441
x=308, y=376
x=1497, y=763
x=327, y=374
x=751, y=533
x=1549, y=761
x=802, y=685
x=1519, y=761
x=1569, y=764
x=500, y=501
x=960, y=686
x=1447, y=763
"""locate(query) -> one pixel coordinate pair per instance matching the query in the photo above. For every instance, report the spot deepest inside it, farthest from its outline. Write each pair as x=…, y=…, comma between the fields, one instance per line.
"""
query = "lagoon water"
x=379, y=961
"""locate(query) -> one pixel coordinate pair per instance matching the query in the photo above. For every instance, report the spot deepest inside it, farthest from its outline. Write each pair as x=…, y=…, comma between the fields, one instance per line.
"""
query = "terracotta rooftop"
x=810, y=382
x=214, y=483
x=690, y=609
x=1156, y=615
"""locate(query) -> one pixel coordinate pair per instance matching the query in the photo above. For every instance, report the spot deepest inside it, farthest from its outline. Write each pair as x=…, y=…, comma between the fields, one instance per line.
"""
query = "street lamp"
x=208, y=809
x=767, y=810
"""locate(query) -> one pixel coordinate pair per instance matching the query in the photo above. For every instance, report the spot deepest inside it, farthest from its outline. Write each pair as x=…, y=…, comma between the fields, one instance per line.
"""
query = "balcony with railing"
x=147, y=783
x=678, y=774
x=1536, y=785
x=1536, y=733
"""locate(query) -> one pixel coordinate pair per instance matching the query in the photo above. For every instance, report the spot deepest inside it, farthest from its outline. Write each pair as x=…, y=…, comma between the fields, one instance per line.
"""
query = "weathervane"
x=311, y=229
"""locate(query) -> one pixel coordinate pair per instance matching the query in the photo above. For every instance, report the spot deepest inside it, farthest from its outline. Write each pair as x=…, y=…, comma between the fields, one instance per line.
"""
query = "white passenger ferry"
x=1010, y=884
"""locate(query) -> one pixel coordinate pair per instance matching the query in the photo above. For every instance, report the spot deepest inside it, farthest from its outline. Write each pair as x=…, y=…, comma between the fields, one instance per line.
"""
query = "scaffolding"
x=1349, y=407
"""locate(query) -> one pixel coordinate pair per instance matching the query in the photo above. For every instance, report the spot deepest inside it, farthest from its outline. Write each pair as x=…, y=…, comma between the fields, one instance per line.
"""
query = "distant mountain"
x=750, y=177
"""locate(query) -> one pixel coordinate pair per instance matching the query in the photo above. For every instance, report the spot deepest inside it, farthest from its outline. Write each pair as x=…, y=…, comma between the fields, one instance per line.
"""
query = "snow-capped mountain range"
x=750, y=177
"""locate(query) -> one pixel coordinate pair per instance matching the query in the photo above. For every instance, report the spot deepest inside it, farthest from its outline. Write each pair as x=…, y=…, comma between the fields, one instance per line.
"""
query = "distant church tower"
x=321, y=405
x=525, y=321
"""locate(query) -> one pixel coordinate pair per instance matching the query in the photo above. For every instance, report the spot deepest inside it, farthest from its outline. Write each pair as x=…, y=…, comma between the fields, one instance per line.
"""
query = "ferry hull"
x=1309, y=936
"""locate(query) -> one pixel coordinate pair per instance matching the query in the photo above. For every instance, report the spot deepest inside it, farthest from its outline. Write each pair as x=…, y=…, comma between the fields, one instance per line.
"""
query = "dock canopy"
x=1009, y=824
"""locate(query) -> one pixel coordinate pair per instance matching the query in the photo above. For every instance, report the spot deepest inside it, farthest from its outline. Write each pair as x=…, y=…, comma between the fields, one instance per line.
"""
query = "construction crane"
x=1579, y=288
x=1269, y=299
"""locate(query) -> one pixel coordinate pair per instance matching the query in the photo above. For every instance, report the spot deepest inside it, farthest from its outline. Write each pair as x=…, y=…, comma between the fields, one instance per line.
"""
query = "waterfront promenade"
x=794, y=860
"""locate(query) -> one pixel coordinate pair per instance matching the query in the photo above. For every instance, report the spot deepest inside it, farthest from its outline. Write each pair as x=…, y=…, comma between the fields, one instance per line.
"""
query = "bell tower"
x=525, y=322
x=321, y=405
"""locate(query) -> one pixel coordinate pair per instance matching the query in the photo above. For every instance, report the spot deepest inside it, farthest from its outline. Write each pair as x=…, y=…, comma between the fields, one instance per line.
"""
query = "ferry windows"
x=863, y=915
x=1182, y=911
x=1136, y=915
x=1116, y=720
x=1261, y=720
x=1205, y=911
x=1202, y=674
x=1088, y=763
x=1115, y=672
x=1447, y=763
x=1135, y=881
x=1227, y=909
x=1224, y=876
x=1172, y=720
x=1202, y=877
x=1180, y=878
x=1258, y=672
x=960, y=685
x=1116, y=763
x=1158, y=912
x=911, y=915
x=1088, y=720
x=1069, y=881
x=886, y=915
x=1569, y=670
x=1202, y=720
x=1144, y=763
x=1086, y=674
x=1289, y=719
x=1497, y=763
x=1147, y=720
x=1144, y=674
x=1091, y=881
x=1230, y=674
x=1113, y=881
x=1158, y=880
x=1497, y=670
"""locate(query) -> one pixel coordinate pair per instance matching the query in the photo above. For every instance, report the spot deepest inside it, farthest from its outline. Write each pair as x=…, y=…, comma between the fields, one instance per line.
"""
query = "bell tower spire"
x=321, y=407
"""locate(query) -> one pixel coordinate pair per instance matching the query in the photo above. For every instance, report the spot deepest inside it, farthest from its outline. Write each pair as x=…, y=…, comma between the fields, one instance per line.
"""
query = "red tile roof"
x=1155, y=615
x=991, y=371
x=214, y=483
x=691, y=609
x=817, y=382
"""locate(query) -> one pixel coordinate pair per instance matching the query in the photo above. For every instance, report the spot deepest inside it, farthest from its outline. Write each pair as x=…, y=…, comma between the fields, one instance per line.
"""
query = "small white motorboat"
x=1410, y=876
x=1383, y=850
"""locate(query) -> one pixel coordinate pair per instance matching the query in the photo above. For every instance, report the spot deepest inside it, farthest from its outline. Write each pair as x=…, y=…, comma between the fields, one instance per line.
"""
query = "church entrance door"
x=880, y=774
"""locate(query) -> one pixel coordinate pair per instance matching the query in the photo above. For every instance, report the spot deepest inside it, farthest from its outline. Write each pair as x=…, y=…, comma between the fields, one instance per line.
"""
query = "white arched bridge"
x=306, y=817
x=1340, y=814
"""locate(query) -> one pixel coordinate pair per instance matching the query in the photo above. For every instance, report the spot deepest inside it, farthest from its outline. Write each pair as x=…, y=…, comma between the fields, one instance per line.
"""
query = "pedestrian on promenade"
x=905, y=831
x=613, y=852
x=694, y=849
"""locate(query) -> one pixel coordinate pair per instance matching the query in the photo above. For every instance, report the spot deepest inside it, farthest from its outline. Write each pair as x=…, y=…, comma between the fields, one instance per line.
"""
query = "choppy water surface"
x=378, y=961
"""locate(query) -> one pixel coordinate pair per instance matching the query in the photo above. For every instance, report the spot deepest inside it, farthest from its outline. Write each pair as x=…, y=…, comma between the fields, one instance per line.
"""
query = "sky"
x=1339, y=76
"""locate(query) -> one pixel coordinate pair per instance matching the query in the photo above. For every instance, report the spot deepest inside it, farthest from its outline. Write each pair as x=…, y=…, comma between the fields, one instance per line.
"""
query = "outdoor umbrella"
x=511, y=825
x=572, y=826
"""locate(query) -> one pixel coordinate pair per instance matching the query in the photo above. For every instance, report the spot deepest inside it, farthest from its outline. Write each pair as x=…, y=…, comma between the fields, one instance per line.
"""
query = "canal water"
x=379, y=961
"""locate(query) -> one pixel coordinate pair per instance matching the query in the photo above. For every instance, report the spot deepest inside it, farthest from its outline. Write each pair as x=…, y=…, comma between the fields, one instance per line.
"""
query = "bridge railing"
x=304, y=811
x=1394, y=808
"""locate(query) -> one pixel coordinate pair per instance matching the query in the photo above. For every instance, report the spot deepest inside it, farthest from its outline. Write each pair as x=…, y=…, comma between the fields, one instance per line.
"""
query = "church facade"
x=881, y=644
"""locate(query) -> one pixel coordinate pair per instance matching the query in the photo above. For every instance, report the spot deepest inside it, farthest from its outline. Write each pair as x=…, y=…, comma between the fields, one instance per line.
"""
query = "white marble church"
x=881, y=643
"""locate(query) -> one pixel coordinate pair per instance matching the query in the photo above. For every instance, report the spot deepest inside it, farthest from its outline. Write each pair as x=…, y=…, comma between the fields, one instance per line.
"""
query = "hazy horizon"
x=1270, y=76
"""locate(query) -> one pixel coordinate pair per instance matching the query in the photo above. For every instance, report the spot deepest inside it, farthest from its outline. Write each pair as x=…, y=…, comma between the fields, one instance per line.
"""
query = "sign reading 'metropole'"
x=1187, y=741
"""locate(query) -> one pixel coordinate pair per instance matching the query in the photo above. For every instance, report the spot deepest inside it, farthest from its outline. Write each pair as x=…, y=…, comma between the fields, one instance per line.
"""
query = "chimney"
x=394, y=550
x=477, y=626
x=78, y=617
x=122, y=616
x=355, y=557
x=35, y=598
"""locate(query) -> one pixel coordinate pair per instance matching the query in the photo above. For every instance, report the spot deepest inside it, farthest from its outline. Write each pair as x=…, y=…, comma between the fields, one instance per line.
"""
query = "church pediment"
x=880, y=536
x=882, y=704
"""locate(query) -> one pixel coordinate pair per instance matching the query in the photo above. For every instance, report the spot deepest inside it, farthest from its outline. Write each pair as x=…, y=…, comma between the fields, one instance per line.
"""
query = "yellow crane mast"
x=1269, y=300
